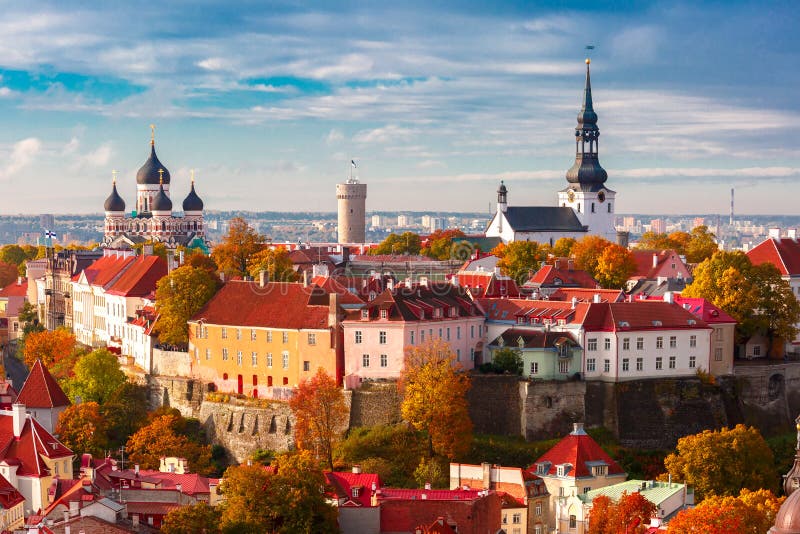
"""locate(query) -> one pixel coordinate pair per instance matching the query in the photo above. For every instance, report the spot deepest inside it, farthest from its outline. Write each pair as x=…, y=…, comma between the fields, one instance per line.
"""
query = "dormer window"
x=384, y=314
x=520, y=320
x=437, y=313
x=365, y=314
x=453, y=311
x=520, y=342
x=600, y=470
x=356, y=490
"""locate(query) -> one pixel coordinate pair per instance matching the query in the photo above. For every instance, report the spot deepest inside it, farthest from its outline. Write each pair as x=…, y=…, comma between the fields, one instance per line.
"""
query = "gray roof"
x=543, y=219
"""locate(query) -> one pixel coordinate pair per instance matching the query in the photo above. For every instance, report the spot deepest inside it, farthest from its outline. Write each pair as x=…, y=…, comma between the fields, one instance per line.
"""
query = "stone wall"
x=171, y=363
x=769, y=394
x=374, y=403
x=494, y=404
x=550, y=407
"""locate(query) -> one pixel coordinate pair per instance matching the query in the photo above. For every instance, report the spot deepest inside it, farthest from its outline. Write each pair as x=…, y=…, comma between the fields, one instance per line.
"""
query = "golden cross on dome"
x=114, y=176
x=191, y=172
x=152, y=134
x=161, y=176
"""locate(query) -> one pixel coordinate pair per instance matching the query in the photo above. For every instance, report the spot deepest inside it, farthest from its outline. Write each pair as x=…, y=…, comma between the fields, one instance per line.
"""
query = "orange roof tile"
x=41, y=390
x=551, y=276
x=15, y=289
x=105, y=270
x=639, y=315
x=580, y=451
x=140, y=278
x=782, y=253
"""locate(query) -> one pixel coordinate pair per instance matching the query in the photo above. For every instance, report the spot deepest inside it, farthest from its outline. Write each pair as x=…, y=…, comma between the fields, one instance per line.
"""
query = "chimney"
x=66, y=516
x=791, y=233
x=263, y=278
x=596, y=298
x=570, y=264
x=577, y=428
x=574, y=302
x=67, y=530
x=74, y=511
x=135, y=521
x=774, y=233
x=222, y=277
x=18, y=418
x=19, y=280
x=427, y=485
x=669, y=297
x=356, y=469
x=136, y=469
x=655, y=259
x=305, y=278
x=147, y=250
x=333, y=309
x=179, y=488
x=454, y=280
x=486, y=467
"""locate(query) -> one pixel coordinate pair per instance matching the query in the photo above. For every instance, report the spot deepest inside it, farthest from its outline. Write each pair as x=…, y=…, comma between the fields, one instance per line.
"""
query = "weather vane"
x=152, y=134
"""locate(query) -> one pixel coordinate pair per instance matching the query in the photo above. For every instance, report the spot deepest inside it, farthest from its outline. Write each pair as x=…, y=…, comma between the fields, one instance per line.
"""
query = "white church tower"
x=586, y=193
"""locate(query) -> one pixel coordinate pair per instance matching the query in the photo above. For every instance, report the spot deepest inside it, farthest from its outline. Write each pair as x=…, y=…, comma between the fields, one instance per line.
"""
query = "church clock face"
x=571, y=195
x=601, y=196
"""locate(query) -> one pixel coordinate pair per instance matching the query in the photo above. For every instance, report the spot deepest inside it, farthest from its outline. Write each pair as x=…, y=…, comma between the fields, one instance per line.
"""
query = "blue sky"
x=436, y=100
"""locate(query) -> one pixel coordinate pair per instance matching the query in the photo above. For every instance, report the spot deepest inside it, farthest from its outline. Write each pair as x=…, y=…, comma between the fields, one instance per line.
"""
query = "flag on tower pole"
x=48, y=238
x=353, y=163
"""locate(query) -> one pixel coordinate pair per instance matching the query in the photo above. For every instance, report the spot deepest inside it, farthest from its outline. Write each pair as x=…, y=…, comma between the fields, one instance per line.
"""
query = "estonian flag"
x=353, y=163
x=50, y=235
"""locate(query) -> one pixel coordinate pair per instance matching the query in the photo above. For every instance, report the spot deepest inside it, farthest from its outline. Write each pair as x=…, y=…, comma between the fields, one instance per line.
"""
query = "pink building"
x=376, y=337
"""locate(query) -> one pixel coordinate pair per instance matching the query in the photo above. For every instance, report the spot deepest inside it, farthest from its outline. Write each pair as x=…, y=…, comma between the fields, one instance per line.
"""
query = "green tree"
x=83, y=429
x=440, y=243
x=723, y=462
x=434, y=471
x=434, y=398
x=97, y=376
x=406, y=243
x=13, y=254
x=508, y=360
x=519, y=259
x=29, y=319
x=275, y=262
x=656, y=241
x=701, y=246
x=179, y=295
x=237, y=246
x=197, y=518
x=125, y=411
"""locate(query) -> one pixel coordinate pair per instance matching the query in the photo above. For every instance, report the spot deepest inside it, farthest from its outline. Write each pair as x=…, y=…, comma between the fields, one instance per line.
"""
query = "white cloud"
x=211, y=63
x=22, y=154
x=98, y=157
x=334, y=136
x=385, y=134
x=72, y=146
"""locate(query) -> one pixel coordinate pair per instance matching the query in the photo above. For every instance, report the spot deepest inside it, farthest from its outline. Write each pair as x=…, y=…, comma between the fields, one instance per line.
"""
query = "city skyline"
x=270, y=102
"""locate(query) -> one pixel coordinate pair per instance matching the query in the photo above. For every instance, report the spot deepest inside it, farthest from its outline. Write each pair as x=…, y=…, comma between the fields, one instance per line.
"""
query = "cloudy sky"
x=436, y=100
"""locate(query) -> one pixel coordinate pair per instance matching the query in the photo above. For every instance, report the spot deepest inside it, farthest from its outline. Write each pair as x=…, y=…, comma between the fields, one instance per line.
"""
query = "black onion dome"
x=114, y=202
x=148, y=173
x=192, y=202
x=502, y=188
x=162, y=201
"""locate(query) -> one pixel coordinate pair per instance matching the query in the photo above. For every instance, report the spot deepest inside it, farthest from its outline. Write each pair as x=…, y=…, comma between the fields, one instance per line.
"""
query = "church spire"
x=586, y=171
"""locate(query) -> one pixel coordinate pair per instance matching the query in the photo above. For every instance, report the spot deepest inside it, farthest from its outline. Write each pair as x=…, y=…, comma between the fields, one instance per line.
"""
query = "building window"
x=382, y=337
x=458, y=355
x=672, y=362
x=239, y=357
x=626, y=364
x=238, y=333
x=592, y=344
x=384, y=314
x=365, y=360
x=224, y=333
x=472, y=330
x=448, y=334
x=357, y=336
x=692, y=362
x=269, y=336
x=591, y=365
x=411, y=337
x=253, y=335
x=365, y=314
x=538, y=509
x=224, y=353
x=757, y=350
x=639, y=343
x=440, y=334
x=286, y=337
x=693, y=340
x=639, y=364
x=718, y=333
x=659, y=342
x=269, y=360
x=606, y=366
x=607, y=343
x=306, y=365
x=254, y=357
x=718, y=354
x=458, y=332
x=208, y=354
x=659, y=363
x=472, y=355
x=673, y=342
x=422, y=336
x=312, y=339
x=563, y=366
x=587, y=489
x=626, y=343
x=516, y=519
x=573, y=522
x=285, y=358
x=384, y=360
x=534, y=368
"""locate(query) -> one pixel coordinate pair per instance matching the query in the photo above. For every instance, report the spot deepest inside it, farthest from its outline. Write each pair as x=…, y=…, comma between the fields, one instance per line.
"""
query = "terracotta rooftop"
x=580, y=451
x=104, y=270
x=421, y=302
x=15, y=289
x=28, y=449
x=644, y=262
x=639, y=315
x=41, y=390
x=522, y=311
x=587, y=295
x=140, y=277
x=344, y=482
x=782, y=253
x=559, y=276
x=487, y=284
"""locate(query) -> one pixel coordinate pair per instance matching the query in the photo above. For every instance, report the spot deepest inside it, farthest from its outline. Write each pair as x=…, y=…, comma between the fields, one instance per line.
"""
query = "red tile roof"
x=140, y=277
x=639, y=315
x=644, y=263
x=9, y=496
x=704, y=310
x=580, y=451
x=430, y=494
x=331, y=285
x=344, y=482
x=15, y=289
x=105, y=270
x=552, y=276
x=516, y=310
x=487, y=284
x=33, y=443
x=191, y=483
x=41, y=390
x=276, y=305
x=782, y=253
x=587, y=295
x=420, y=302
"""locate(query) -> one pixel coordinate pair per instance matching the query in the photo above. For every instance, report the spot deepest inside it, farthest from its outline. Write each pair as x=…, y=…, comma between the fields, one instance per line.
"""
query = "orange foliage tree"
x=49, y=346
x=236, y=247
x=614, y=266
x=631, y=513
x=587, y=253
x=8, y=273
x=82, y=428
x=434, y=392
x=751, y=511
x=320, y=413
x=162, y=438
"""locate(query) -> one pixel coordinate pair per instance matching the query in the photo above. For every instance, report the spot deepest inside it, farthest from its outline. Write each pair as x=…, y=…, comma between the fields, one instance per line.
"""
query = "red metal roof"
x=105, y=270
x=41, y=390
x=782, y=253
x=344, y=482
x=580, y=451
x=140, y=278
x=487, y=284
x=15, y=289
x=704, y=310
x=639, y=315
x=276, y=305
x=551, y=276
x=587, y=295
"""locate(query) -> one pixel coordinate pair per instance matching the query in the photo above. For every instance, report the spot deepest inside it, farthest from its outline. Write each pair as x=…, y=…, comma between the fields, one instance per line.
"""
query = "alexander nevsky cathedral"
x=153, y=219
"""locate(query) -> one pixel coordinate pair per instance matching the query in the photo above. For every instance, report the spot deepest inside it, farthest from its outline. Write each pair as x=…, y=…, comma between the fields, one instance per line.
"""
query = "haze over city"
x=269, y=102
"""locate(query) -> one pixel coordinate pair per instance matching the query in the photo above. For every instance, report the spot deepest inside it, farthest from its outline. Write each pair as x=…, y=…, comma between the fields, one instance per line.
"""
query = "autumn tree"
x=13, y=254
x=49, y=346
x=519, y=259
x=237, y=246
x=701, y=246
x=95, y=377
x=197, y=259
x=405, y=243
x=275, y=262
x=82, y=428
x=750, y=511
x=320, y=413
x=562, y=248
x=179, y=295
x=722, y=462
x=587, y=253
x=657, y=241
x=160, y=438
x=440, y=244
x=615, y=266
x=507, y=360
x=197, y=518
x=631, y=513
x=434, y=392
x=125, y=411
x=285, y=498
x=8, y=273
x=159, y=249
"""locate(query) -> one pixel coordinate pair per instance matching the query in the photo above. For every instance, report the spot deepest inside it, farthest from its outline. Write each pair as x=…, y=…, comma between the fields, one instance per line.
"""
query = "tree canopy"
x=587, y=253
x=507, y=360
x=83, y=429
x=697, y=245
x=179, y=295
x=197, y=518
x=321, y=414
x=49, y=346
x=237, y=246
x=723, y=462
x=749, y=512
x=275, y=262
x=631, y=513
x=405, y=243
x=520, y=259
x=8, y=273
x=434, y=398
x=96, y=376
x=440, y=244
x=125, y=411
x=614, y=266
x=162, y=437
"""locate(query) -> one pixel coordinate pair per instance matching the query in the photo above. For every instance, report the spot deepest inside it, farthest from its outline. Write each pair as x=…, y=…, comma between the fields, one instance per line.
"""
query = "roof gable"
x=782, y=253
x=41, y=390
x=580, y=451
x=140, y=278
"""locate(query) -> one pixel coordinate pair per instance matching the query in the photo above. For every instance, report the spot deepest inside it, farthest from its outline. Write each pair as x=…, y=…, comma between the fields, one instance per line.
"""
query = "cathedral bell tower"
x=586, y=192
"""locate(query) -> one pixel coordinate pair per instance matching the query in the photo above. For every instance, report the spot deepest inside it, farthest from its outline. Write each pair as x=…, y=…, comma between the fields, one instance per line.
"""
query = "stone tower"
x=352, y=201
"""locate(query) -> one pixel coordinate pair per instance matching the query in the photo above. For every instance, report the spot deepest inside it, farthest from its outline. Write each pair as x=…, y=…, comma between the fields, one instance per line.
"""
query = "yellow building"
x=255, y=339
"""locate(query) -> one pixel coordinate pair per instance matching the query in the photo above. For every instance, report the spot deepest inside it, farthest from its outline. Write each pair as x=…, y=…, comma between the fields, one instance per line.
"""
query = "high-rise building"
x=402, y=221
x=377, y=221
x=352, y=202
x=658, y=226
x=47, y=221
x=698, y=221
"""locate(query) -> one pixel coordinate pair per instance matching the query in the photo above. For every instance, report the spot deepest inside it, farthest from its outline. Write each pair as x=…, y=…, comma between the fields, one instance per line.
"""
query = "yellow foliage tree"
x=615, y=266
x=750, y=511
x=519, y=259
x=159, y=438
x=275, y=262
x=434, y=398
x=587, y=253
x=236, y=247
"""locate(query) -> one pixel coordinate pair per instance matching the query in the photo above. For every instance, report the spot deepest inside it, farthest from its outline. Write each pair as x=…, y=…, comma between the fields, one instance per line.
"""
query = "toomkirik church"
x=585, y=206
x=153, y=219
